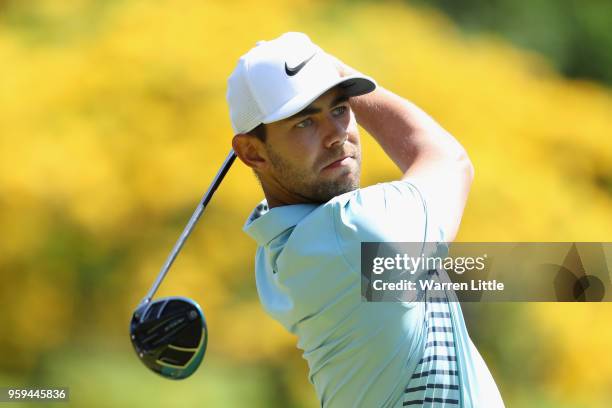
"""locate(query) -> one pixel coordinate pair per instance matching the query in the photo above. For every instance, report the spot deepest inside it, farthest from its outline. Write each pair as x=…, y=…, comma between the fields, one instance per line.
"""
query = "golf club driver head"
x=170, y=336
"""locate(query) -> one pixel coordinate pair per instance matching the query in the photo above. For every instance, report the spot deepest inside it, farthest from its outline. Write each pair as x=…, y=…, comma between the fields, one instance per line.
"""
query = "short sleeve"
x=386, y=212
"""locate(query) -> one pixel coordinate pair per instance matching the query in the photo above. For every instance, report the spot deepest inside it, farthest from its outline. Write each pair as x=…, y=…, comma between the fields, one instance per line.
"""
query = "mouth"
x=339, y=162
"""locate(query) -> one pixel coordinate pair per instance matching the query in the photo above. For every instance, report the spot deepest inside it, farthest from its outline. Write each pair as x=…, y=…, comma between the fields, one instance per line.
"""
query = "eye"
x=339, y=111
x=306, y=122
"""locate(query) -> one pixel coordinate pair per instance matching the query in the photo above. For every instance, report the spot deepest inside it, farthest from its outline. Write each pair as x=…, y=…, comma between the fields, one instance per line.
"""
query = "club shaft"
x=191, y=224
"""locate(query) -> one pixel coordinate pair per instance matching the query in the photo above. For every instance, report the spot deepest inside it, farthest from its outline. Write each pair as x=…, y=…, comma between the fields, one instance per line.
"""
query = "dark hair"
x=259, y=132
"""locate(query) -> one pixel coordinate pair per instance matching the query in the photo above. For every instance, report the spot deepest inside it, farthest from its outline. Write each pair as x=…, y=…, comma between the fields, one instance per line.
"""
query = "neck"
x=277, y=196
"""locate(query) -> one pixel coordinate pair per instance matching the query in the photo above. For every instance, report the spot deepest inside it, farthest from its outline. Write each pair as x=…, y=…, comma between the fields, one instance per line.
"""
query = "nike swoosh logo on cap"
x=294, y=70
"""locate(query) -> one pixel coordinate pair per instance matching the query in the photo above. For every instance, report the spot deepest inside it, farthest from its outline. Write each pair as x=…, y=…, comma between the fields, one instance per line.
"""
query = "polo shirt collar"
x=265, y=224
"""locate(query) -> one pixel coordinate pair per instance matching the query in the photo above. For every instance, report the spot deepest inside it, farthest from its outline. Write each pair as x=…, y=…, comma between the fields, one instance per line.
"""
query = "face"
x=314, y=155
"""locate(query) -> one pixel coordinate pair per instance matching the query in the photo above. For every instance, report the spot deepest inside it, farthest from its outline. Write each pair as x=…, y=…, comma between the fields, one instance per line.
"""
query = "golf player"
x=294, y=110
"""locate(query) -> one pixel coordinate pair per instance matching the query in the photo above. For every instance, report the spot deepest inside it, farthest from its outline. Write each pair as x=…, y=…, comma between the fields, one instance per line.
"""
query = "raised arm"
x=422, y=149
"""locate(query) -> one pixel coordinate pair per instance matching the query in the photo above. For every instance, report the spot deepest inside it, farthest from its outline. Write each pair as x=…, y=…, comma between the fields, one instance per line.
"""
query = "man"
x=294, y=111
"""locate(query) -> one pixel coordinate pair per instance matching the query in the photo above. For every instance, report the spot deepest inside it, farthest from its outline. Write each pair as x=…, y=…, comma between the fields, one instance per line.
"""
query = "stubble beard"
x=306, y=185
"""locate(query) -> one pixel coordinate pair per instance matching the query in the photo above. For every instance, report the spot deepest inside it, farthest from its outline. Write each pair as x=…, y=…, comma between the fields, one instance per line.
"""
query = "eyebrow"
x=309, y=110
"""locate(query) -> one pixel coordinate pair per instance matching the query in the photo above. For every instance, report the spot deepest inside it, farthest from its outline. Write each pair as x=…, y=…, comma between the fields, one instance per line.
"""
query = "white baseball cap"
x=277, y=79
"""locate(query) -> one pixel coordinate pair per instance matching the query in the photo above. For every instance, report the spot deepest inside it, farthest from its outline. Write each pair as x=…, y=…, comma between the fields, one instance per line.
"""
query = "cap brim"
x=353, y=85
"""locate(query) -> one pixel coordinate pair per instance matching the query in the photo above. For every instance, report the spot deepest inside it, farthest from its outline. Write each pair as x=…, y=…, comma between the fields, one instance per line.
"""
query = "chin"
x=326, y=190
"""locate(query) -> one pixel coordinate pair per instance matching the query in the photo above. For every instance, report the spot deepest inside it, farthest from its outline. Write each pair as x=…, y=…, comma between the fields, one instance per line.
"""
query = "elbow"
x=465, y=165
x=469, y=170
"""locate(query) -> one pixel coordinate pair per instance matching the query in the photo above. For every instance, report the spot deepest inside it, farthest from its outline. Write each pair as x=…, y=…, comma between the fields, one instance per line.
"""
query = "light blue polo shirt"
x=307, y=267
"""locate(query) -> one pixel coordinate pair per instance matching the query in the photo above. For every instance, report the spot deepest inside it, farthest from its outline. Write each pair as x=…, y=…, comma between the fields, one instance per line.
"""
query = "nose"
x=334, y=132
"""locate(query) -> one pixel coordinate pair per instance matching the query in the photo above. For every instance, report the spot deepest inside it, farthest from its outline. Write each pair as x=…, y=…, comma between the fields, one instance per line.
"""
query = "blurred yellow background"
x=113, y=122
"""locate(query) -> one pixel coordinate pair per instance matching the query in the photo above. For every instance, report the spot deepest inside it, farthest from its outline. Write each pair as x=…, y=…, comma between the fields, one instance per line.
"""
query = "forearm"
x=426, y=154
x=405, y=132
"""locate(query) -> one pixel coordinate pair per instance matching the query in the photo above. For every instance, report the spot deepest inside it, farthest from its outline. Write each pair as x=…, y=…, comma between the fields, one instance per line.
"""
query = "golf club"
x=170, y=334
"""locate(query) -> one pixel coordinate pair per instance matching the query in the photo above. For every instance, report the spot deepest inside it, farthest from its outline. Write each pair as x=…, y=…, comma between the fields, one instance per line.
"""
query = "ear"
x=250, y=150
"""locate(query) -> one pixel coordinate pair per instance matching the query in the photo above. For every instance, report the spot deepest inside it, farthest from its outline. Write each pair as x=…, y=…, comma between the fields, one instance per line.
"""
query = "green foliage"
x=575, y=35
